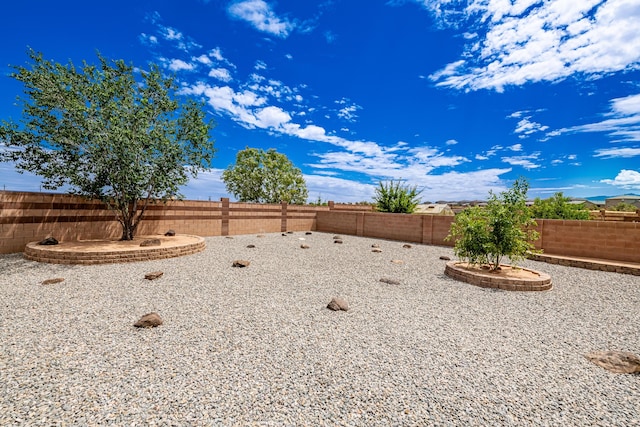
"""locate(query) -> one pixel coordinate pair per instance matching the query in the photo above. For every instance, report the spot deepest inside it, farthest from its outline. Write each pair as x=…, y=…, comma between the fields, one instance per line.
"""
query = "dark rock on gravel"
x=240, y=263
x=52, y=281
x=337, y=304
x=620, y=362
x=153, y=275
x=149, y=320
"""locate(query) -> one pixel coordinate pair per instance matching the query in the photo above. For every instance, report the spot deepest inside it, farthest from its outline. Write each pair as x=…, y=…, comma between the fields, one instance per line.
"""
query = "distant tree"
x=624, y=207
x=106, y=134
x=394, y=197
x=484, y=235
x=265, y=177
x=558, y=207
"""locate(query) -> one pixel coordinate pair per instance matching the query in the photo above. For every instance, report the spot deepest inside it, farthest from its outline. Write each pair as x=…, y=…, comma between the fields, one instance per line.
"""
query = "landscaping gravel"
x=257, y=345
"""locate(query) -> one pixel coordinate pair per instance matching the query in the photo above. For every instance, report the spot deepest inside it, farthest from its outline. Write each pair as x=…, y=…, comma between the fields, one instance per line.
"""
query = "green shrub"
x=484, y=235
x=395, y=197
x=558, y=207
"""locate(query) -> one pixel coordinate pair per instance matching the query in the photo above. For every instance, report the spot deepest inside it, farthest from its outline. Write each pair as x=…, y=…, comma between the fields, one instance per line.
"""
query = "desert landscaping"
x=257, y=345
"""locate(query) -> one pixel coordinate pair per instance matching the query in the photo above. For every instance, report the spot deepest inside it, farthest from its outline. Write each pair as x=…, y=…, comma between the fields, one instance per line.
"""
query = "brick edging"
x=497, y=282
x=35, y=252
x=610, y=266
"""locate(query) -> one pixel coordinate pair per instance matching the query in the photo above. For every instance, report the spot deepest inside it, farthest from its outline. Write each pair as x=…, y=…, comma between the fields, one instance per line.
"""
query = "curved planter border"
x=488, y=280
x=108, y=252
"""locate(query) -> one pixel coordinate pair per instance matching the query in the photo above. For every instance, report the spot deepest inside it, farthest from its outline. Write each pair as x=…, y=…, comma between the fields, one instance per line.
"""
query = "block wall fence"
x=27, y=217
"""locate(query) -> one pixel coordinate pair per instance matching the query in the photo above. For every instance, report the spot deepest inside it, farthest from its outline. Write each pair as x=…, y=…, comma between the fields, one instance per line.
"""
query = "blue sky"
x=457, y=97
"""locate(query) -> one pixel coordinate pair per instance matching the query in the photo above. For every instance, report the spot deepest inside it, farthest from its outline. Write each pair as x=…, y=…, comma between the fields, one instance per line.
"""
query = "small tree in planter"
x=503, y=228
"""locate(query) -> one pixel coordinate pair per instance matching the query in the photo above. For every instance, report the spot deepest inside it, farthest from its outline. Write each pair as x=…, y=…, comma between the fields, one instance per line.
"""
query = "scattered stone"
x=445, y=258
x=376, y=250
x=153, y=275
x=240, y=263
x=284, y=234
x=228, y=237
x=301, y=238
x=52, y=281
x=620, y=362
x=150, y=320
x=49, y=241
x=375, y=245
x=389, y=281
x=336, y=237
x=407, y=246
x=337, y=241
x=397, y=261
x=151, y=242
x=337, y=304
x=251, y=246
x=260, y=235
x=308, y=233
x=170, y=233
x=289, y=232
x=304, y=246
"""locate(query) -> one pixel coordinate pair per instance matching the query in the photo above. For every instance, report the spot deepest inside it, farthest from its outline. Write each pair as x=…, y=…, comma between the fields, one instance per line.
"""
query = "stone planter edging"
x=489, y=280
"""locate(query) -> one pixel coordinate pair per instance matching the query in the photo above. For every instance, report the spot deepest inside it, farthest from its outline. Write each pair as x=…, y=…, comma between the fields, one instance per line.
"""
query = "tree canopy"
x=106, y=134
x=265, y=177
x=395, y=197
x=558, y=207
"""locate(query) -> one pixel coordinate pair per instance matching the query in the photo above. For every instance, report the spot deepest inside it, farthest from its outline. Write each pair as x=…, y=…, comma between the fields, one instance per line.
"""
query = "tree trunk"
x=128, y=228
x=127, y=232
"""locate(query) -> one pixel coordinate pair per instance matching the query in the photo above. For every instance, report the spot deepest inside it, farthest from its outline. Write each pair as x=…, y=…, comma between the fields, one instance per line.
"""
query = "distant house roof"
x=625, y=197
x=433, y=209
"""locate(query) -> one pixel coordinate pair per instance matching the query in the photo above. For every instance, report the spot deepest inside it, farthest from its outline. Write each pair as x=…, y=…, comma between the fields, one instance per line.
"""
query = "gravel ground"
x=257, y=346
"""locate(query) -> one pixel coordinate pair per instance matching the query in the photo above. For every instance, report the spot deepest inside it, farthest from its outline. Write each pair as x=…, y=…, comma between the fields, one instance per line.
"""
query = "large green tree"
x=265, y=177
x=106, y=134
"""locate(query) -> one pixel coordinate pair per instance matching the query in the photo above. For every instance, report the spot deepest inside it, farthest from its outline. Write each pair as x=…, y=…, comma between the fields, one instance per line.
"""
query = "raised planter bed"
x=507, y=278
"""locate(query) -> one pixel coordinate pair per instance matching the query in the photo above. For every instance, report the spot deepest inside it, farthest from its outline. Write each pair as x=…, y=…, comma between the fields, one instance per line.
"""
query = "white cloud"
x=627, y=179
x=260, y=15
x=337, y=189
x=527, y=127
x=516, y=147
x=611, y=153
x=451, y=142
x=180, y=65
x=221, y=74
x=528, y=162
x=177, y=38
x=622, y=123
x=272, y=117
x=348, y=112
x=530, y=41
x=203, y=59
x=148, y=39
x=208, y=185
x=330, y=37
x=216, y=54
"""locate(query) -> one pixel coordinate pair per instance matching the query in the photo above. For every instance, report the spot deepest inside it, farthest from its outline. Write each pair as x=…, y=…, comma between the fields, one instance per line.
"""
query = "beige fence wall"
x=27, y=217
